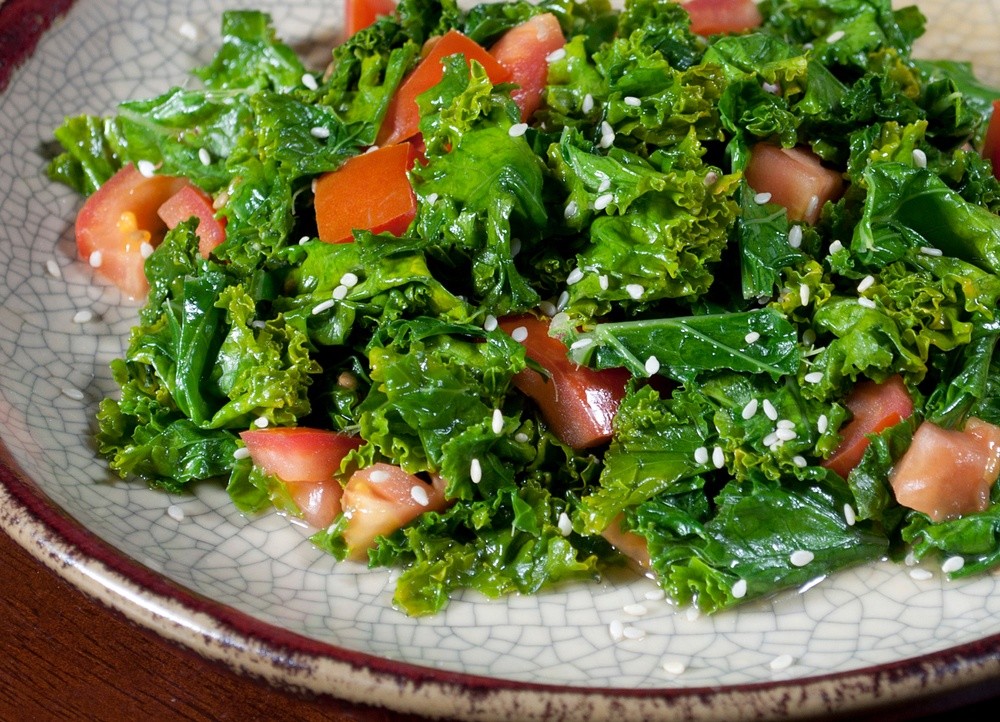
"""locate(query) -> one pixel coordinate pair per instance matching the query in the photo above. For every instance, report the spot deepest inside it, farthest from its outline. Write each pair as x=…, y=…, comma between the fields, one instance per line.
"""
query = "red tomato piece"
x=299, y=453
x=382, y=498
x=875, y=407
x=189, y=202
x=991, y=143
x=359, y=14
x=578, y=403
x=629, y=543
x=948, y=474
x=523, y=50
x=709, y=17
x=318, y=501
x=118, y=226
x=370, y=191
x=795, y=178
x=402, y=117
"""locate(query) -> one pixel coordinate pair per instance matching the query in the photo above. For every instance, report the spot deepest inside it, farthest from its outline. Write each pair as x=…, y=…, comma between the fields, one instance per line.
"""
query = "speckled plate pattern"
x=253, y=591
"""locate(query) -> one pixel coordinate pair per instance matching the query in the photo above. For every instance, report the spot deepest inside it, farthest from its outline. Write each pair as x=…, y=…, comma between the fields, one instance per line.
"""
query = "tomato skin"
x=402, y=117
x=370, y=191
x=300, y=453
x=795, y=178
x=578, y=403
x=317, y=501
x=875, y=407
x=359, y=14
x=119, y=220
x=523, y=50
x=192, y=201
x=947, y=474
x=709, y=17
x=991, y=143
x=380, y=499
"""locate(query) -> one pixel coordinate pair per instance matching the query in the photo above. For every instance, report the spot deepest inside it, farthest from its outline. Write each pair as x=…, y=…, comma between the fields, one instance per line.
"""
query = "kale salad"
x=507, y=296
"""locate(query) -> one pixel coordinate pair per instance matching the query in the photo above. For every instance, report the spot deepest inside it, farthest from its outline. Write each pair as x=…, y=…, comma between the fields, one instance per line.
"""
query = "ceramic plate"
x=254, y=592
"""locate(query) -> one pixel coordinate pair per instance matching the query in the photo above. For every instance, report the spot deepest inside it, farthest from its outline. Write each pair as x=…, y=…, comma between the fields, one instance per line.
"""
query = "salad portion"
x=506, y=297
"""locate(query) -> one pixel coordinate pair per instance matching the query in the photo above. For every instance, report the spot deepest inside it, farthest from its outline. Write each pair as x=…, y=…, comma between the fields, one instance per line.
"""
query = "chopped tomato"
x=118, y=226
x=370, y=191
x=795, y=179
x=299, y=453
x=629, y=543
x=362, y=13
x=402, y=117
x=991, y=143
x=709, y=17
x=189, y=202
x=523, y=50
x=578, y=403
x=382, y=498
x=875, y=407
x=947, y=474
x=317, y=501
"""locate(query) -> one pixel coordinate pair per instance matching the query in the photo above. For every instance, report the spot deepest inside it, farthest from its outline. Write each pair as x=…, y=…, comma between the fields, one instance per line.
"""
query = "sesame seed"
x=602, y=281
x=812, y=206
x=921, y=575
x=770, y=411
x=146, y=249
x=73, y=393
x=752, y=337
x=919, y=158
x=813, y=377
x=836, y=247
x=564, y=524
x=701, y=455
x=556, y=55
x=835, y=36
x=761, y=198
x=928, y=251
x=319, y=132
x=631, y=632
x=866, y=283
x=261, y=422
x=84, y=315
x=718, y=457
x=800, y=461
x=785, y=434
x=672, y=666
x=617, y=630
x=849, y=515
x=750, y=409
x=419, y=495
x=632, y=101
x=602, y=201
x=710, y=178
x=866, y=302
x=175, y=512
x=562, y=301
x=783, y=661
x=95, y=259
x=188, y=30
x=519, y=334
x=804, y=294
x=431, y=198
x=371, y=149
x=304, y=240
x=581, y=343
x=655, y=595
x=146, y=168
x=909, y=560
x=607, y=135
x=772, y=88
x=53, y=268
x=588, y=103
x=204, y=156
x=795, y=236
x=571, y=210
x=575, y=276
x=739, y=589
x=952, y=564
x=548, y=308
x=635, y=610
x=340, y=292
x=350, y=280
x=822, y=423
x=605, y=184
x=323, y=306
x=521, y=437
x=309, y=81
x=490, y=323
x=770, y=440
x=517, y=130
x=378, y=476
x=652, y=365
x=241, y=453
x=785, y=424
x=635, y=290
x=801, y=557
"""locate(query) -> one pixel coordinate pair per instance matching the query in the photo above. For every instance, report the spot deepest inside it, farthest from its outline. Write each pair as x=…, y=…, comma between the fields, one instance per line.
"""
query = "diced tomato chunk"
x=710, y=17
x=299, y=453
x=947, y=474
x=875, y=407
x=382, y=498
x=991, y=143
x=317, y=501
x=371, y=192
x=402, y=117
x=118, y=226
x=578, y=403
x=189, y=202
x=629, y=543
x=795, y=178
x=359, y=14
x=523, y=50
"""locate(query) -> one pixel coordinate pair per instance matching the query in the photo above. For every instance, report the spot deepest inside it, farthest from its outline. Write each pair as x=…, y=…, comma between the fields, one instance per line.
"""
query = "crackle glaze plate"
x=255, y=594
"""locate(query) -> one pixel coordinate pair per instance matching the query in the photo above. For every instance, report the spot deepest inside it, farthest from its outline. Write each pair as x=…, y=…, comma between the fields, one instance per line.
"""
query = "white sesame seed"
x=921, y=575
x=672, y=666
x=146, y=168
x=822, y=423
x=785, y=434
x=813, y=377
x=519, y=334
x=564, y=524
x=836, y=247
x=605, y=184
x=835, y=36
x=475, y=471
x=602, y=281
x=783, y=661
x=52, y=266
x=718, y=457
x=204, y=156
x=431, y=199
x=419, y=495
x=701, y=455
x=556, y=55
x=340, y=292
x=801, y=557
x=497, y=422
x=304, y=240
x=84, y=315
x=739, y=589
x=800, y=461
x=762, y=198
x=909, y=560
x=378, y=476
x=785, y=424
x=581, y=343
x=770, y=411
x=548, y=308
x=772, y=88
x=635, y=610
x=607, y=135
x=517, y=130
x=866, y=302
x=849, y=515
x=575, y=276
x=323, y=306
x=309, y=81
x=175, y=512
x=795, y=236
x=349, y=280
x=490, y=323
x=146, y=249
x=952, y=564
x=812, y=206
x=632, y=101
x=928, y=251
x=750, y=409
x=241, y=453
x=919, y=158
x=73, y=393
x=371, y=149
x=866, y=283
x=261, y=422
x=770, y=440
x=187, y=30
x=617, y=630
x=752, y=337
x=571, y=210
x=804, y=294
x=652, y=365
x=562, y=301
x=602, y=201
x=520, y=437
x=319, y=132
x=588, y=103
x=95, y=259
x=635, y=290
x=630, y=632
x=655, y=595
